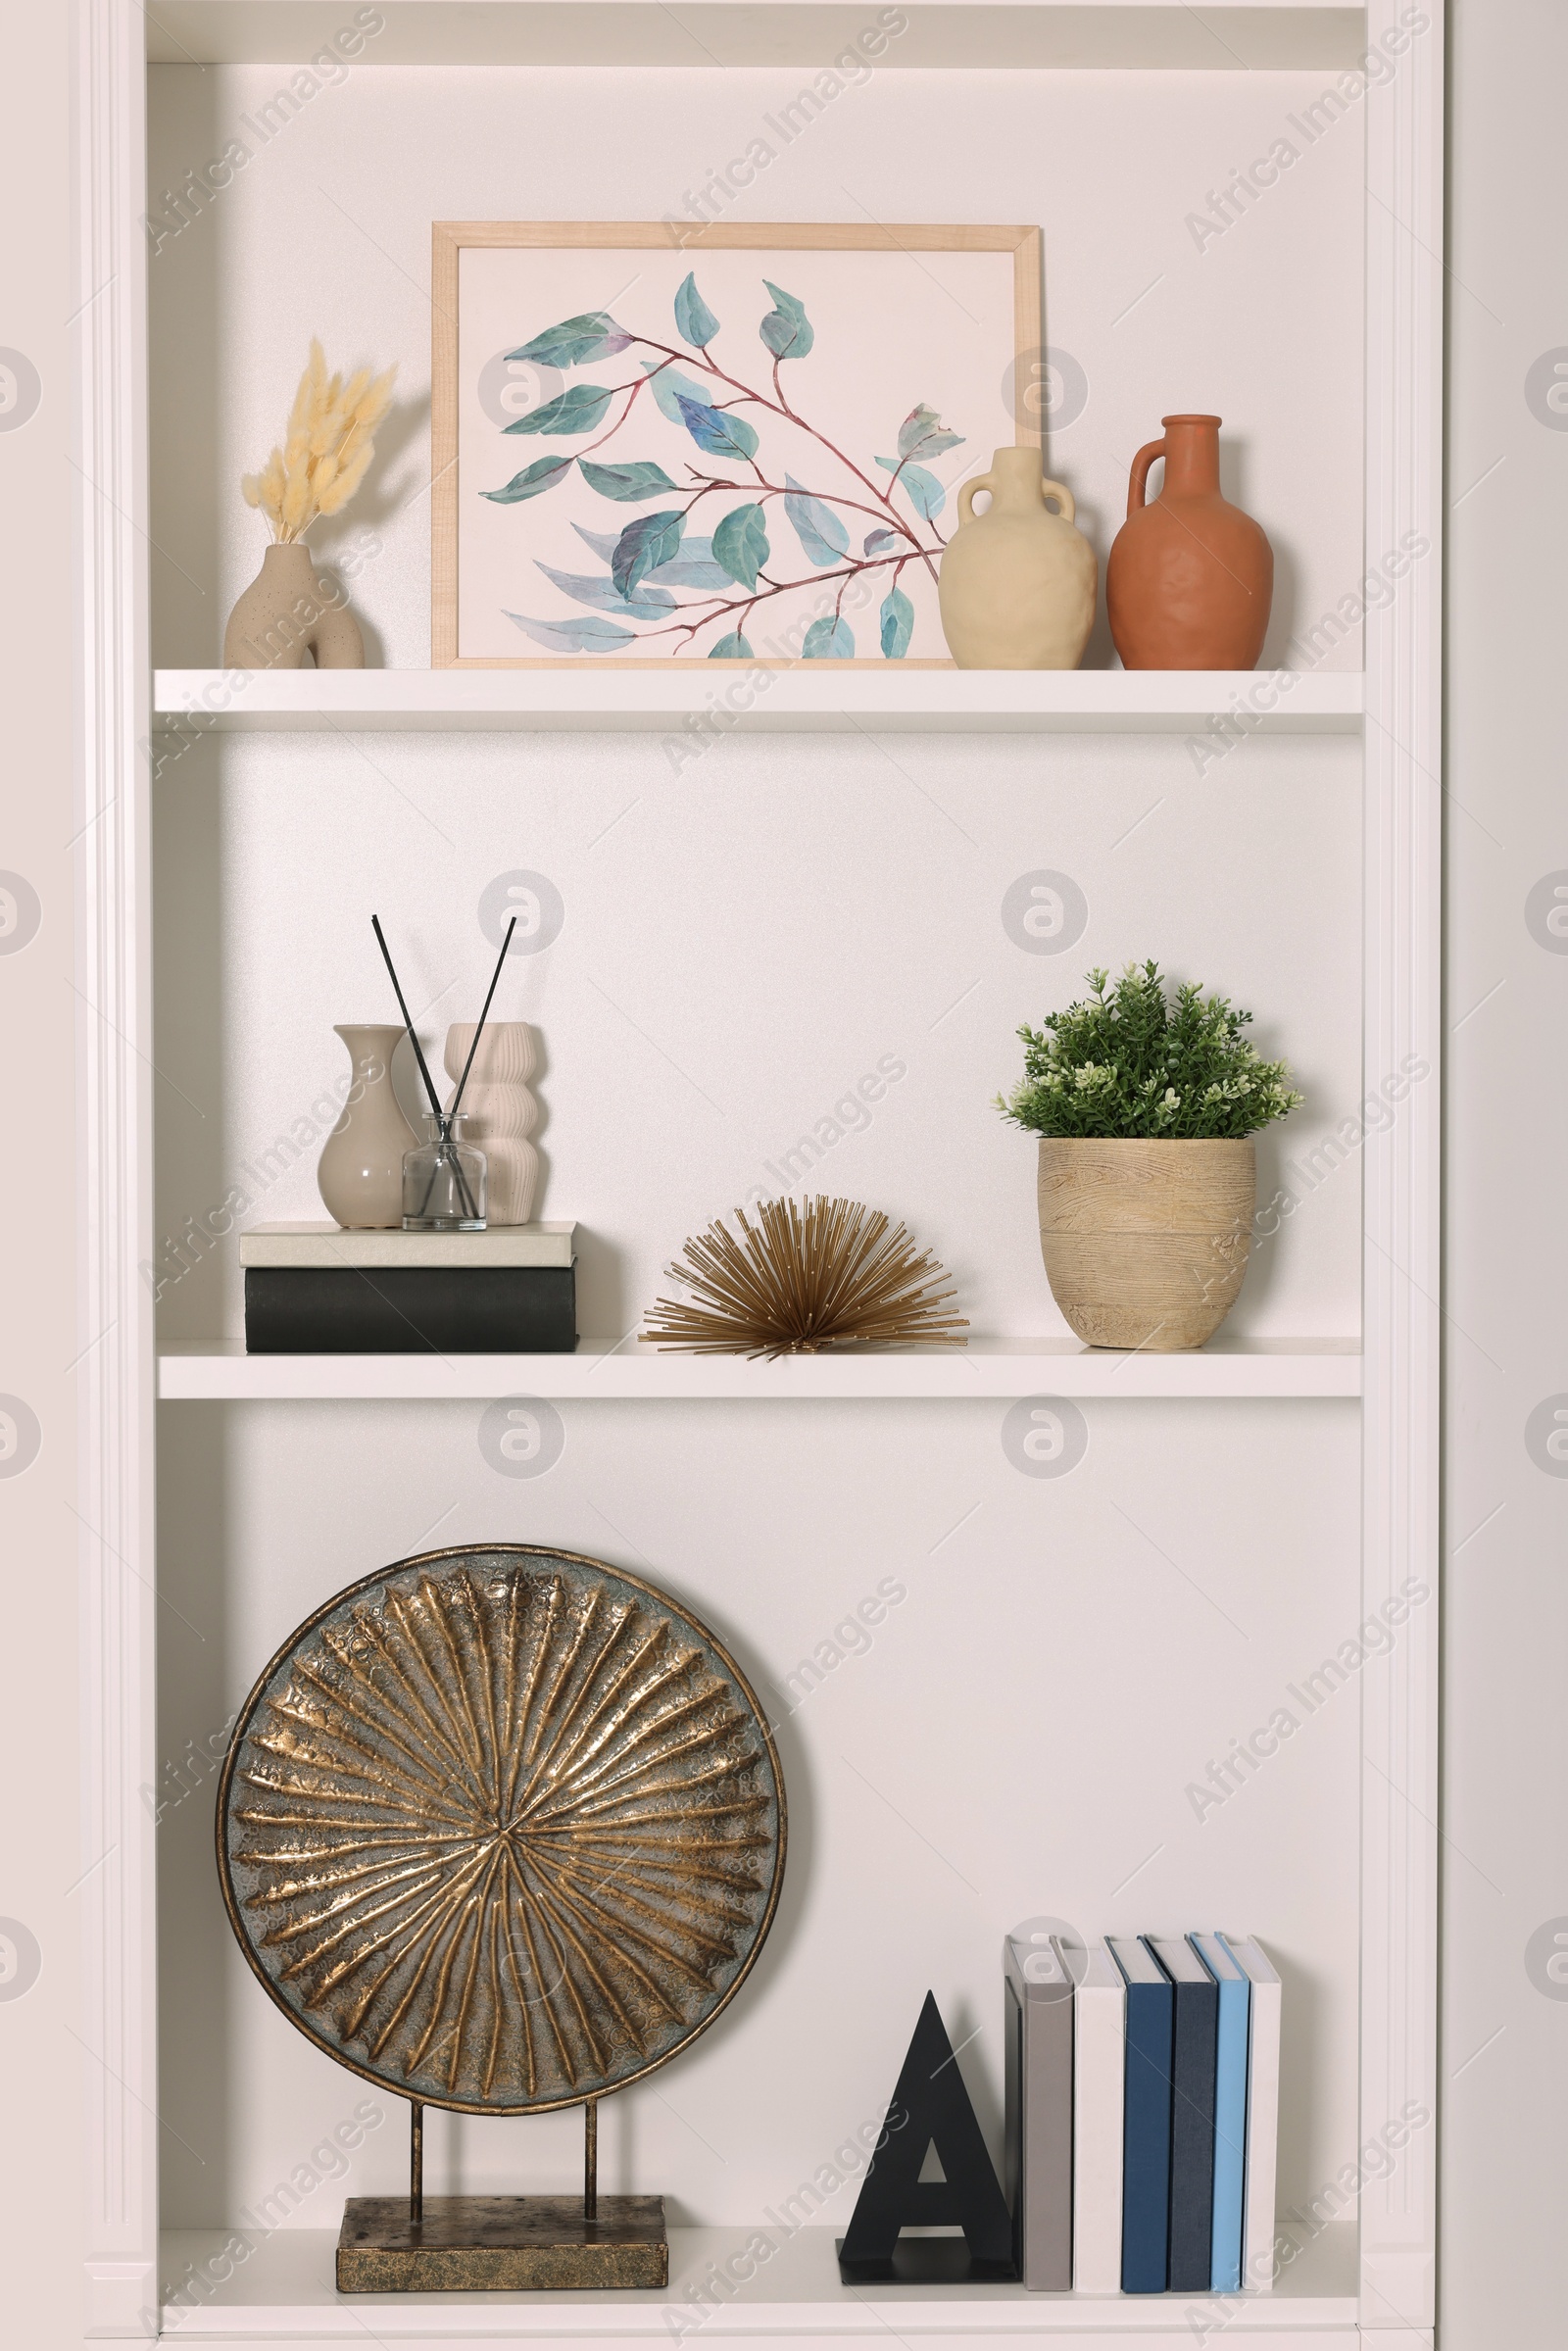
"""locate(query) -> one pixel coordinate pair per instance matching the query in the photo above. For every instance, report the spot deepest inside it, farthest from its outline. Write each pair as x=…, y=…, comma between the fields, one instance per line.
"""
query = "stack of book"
x=317, y=1290
x=1142, y=2110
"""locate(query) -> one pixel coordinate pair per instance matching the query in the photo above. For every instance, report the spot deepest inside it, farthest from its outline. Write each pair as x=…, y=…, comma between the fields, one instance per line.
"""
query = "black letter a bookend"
x=930, y=2109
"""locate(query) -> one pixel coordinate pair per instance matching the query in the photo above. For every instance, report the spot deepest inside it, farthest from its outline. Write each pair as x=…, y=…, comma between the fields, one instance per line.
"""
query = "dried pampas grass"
x=826, y=1273
x=329, y=445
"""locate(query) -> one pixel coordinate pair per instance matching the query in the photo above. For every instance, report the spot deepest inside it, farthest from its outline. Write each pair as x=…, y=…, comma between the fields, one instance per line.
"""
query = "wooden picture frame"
x=903, y=244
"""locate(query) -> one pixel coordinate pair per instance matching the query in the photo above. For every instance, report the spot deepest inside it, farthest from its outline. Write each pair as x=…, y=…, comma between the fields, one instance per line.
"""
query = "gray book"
x=1038, y=2005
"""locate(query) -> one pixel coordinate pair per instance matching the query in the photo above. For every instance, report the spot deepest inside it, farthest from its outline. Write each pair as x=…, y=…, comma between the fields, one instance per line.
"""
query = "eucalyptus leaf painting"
x=737, y=453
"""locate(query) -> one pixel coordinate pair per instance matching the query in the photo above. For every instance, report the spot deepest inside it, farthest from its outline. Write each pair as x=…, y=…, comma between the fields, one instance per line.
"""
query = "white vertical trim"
x=115, y=1170
x=1403, y=1017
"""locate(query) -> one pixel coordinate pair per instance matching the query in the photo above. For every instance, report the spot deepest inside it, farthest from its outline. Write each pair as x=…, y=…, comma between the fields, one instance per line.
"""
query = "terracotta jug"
x=361, y=1170
x=287, y=611
x=1018, y=584
x=1191, y=577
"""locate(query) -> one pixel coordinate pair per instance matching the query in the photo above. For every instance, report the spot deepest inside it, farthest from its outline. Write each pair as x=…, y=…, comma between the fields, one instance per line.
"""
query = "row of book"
x=317, y=1289
x=1142, y=2113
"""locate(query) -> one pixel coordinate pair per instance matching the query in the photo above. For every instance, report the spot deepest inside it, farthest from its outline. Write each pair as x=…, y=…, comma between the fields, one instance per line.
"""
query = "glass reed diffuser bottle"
x=444, y=1179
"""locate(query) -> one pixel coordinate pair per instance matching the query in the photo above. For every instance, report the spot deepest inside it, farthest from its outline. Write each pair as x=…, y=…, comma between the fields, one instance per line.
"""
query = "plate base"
x=500, y=2245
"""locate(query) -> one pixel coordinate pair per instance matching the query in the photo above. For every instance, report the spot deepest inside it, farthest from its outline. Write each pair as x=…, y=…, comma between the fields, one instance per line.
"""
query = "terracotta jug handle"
x=1139, y=477
x=1064, y=498
x=981, y=481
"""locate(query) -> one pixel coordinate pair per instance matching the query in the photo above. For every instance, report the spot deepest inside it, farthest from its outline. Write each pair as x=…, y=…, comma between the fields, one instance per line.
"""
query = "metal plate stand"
x=422, y=2244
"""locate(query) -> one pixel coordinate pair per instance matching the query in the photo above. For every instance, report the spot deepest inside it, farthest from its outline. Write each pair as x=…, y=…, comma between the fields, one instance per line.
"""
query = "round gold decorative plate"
x=502, y=1828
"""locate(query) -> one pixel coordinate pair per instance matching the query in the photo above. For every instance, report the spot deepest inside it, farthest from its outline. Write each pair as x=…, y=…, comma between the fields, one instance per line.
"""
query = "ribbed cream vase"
x=1145, y=1243
x=500, y=1111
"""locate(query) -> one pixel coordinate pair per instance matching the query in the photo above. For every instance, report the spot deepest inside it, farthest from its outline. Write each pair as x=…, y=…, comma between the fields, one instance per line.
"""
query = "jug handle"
x=1048, y=490
x=981, y=481
x=1139, y=477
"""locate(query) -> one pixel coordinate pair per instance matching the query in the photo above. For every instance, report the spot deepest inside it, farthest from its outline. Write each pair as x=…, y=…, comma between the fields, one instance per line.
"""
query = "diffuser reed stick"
x=397, y=989
x=457, y=1098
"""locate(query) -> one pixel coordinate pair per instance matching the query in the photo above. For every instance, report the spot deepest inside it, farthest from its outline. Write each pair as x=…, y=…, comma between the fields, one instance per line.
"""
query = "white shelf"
x=1223, y=36
x=221, y=1371
x=286, y=2291
x=818, y=696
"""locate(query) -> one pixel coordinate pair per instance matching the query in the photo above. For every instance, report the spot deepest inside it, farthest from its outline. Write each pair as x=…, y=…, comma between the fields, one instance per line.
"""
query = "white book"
x=1099, y=2014
x=302, y=1247
x=1262, y=2112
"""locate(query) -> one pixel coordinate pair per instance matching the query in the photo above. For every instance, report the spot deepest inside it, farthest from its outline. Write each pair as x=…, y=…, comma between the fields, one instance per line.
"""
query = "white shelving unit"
x=287, y=2285
x=1225, y=36
x=1366, y=2281
x=191, y=1371
x=812, y=696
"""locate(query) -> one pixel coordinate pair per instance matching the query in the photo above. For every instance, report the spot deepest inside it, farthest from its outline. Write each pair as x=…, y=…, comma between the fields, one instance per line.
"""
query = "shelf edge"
x=220, y=1372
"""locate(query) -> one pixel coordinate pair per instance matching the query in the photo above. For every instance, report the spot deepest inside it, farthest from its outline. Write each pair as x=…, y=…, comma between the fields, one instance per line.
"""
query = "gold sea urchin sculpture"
x=501, y=1829
x=805, y=1278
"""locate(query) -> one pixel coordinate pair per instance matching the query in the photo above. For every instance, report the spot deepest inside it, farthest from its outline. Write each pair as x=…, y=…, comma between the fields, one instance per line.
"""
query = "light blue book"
x=1230, y=2111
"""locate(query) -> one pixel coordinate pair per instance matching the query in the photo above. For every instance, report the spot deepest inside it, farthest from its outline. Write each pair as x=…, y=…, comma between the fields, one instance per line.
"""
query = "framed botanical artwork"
x=739, y=445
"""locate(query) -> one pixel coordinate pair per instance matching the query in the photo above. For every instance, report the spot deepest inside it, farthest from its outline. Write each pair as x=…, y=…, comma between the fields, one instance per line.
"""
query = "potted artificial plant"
x=1145, y=1109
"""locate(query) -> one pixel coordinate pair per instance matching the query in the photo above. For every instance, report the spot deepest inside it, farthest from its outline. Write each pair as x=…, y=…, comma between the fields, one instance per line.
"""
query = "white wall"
x=326, y=230
x=1506, y=1797
x=41, y=1539
x=740, y=947
x=1018, y=1738
x=747, y=936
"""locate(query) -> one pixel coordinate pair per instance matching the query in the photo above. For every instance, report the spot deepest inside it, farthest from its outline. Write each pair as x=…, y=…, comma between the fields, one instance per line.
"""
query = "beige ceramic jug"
x=1018, y=584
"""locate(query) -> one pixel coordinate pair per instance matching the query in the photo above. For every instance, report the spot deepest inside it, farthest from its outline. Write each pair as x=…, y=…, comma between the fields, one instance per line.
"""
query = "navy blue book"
x=1146, y=2117
x=1194, y=2046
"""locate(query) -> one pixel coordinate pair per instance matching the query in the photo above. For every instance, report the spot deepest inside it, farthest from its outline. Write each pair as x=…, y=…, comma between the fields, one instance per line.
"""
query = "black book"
x=410, y=1310
x=1193, y=2051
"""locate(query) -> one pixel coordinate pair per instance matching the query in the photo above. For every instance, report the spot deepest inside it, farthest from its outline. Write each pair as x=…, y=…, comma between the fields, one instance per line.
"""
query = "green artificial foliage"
x=1136, y=1062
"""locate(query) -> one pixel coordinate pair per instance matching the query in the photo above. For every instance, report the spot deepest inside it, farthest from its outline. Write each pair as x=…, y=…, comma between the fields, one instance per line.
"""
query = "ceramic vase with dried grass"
x=287, y=611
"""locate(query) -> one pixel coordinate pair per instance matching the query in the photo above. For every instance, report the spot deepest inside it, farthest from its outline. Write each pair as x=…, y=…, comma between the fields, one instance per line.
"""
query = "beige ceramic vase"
x=361, y=1170
x=287, y=611
x=1018, y=584
x=500, y=1112
x=1145, y=1242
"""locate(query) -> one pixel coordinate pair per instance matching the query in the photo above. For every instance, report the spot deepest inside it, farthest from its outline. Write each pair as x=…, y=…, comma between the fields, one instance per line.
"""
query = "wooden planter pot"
x=1145, y=1243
